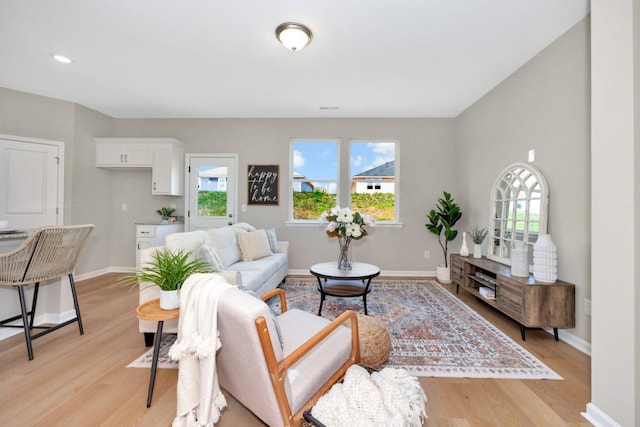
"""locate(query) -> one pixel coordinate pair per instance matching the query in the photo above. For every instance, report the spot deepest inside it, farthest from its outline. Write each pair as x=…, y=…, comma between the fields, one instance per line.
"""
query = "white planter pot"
x=477, y=250
x=443, y=274
x=169, y=300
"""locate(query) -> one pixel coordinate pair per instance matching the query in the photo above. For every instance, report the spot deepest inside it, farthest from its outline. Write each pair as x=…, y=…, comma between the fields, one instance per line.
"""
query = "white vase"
x=519, y=260
x=443, y=274
x=477, y=250
x=169, y=300
x=545, y=259
x=464, y=250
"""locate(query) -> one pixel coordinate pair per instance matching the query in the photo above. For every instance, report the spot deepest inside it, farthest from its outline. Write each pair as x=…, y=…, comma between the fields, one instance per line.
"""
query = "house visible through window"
x=373, y=178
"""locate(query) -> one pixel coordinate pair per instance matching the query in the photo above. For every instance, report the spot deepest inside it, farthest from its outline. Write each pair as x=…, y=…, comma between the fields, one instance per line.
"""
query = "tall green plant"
x=168, y=270
x=441, y=222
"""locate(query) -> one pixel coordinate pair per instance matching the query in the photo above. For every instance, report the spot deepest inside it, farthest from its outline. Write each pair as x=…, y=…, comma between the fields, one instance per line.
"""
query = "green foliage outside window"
x=310, y=205
x=212, y=203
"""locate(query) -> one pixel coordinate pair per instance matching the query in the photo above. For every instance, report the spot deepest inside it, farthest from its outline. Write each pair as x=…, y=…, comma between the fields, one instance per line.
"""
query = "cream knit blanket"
x=389, y=398
x=199, y=397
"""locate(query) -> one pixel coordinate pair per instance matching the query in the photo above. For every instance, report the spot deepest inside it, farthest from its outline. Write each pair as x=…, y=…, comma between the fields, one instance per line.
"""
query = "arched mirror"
x=519, y=206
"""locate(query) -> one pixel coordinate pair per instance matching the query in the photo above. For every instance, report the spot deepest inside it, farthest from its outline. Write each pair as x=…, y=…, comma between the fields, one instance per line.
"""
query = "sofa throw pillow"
x=244, y=226
x=224, y=241
x=274, y=318
x=209, y=255
x=273, y=240
x=254, y=245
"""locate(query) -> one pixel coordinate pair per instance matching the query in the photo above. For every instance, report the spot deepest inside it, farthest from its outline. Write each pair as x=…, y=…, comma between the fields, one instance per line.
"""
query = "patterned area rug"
x=164, y=361
x=433, y=333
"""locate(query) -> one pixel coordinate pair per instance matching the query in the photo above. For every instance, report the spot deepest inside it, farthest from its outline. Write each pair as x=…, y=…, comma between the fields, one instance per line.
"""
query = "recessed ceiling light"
x=61, y=58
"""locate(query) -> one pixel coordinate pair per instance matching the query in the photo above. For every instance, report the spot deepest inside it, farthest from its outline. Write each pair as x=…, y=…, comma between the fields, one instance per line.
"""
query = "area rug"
x=164, y=361
x=433, y=333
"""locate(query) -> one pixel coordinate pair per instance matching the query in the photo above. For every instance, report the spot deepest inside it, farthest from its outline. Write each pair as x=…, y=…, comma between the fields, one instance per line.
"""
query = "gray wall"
x=545, y=106
x=266, y=141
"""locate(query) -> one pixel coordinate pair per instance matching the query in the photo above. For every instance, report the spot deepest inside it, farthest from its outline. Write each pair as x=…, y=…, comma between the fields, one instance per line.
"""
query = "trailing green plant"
x=165, y=212
x=168, y=270
x=441, y=222
x=478, y=235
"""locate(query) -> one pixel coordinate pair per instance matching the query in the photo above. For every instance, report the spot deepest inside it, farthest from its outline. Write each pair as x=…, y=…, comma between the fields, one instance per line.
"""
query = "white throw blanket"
x=199, y=397
x=389, y=398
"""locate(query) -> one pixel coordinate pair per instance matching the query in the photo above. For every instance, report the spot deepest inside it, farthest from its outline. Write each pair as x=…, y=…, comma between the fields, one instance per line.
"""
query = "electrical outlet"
x=426, y=254
x=124, y=207
x=587, y=307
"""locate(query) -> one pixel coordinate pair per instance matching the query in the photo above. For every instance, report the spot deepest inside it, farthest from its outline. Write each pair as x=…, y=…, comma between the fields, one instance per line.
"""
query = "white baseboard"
x=574, y=341
x=598, y=418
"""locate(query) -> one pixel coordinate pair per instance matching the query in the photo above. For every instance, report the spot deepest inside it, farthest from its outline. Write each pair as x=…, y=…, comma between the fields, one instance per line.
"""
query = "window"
x=369, y=187
x=314, y=177
x=373, y=178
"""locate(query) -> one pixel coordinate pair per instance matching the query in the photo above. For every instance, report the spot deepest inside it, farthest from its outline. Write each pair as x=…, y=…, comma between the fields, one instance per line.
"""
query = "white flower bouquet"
x=343, y=222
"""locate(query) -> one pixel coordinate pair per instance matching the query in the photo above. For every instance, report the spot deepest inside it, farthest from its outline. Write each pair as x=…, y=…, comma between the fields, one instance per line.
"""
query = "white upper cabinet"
x=168, y=165
x=123, y=153
x=164, y=156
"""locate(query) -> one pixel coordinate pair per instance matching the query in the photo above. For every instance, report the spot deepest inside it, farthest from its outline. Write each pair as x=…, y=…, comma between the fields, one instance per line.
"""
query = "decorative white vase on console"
x=545, y=259
x=464, y=250
x=519, y=260
x=477, y=250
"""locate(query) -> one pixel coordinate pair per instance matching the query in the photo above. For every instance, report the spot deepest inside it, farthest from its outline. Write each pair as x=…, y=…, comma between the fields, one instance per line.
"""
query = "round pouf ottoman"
x=375, y=341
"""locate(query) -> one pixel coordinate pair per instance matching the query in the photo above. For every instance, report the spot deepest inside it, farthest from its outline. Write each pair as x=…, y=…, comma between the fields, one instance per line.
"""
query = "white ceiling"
x=210, y=58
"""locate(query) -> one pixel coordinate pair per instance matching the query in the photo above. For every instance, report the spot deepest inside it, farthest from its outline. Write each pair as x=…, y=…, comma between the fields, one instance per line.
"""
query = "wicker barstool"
x=48, y=253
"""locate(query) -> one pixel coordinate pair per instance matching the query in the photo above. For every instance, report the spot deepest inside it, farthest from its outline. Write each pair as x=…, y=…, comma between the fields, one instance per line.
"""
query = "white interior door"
x=212, y=184
x=30, y=182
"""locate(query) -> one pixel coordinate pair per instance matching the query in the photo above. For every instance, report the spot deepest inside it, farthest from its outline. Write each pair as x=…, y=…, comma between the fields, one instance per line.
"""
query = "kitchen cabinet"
x=151, y=235
x=167, y=175
x=123, y=153
x=164, y=156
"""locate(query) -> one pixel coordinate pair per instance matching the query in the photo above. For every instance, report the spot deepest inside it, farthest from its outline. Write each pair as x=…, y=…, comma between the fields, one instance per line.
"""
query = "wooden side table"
x=151, y=311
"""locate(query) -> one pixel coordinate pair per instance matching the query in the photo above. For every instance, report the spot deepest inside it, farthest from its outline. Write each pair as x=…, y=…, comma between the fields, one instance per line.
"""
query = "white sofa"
x=242, y=260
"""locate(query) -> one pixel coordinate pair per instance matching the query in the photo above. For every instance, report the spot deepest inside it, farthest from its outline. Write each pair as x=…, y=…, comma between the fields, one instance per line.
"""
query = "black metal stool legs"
x=25, y=321
x=72, y=283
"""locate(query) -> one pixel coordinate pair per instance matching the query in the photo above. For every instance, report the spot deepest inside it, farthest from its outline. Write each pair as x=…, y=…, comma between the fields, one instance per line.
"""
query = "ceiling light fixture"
x=293, y=36
x=61, y=58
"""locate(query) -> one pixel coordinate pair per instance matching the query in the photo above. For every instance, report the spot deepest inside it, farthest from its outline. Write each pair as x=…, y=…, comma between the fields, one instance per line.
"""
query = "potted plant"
x=168, y=270
x=165, y=213
x=478, y=236
x=441, y=222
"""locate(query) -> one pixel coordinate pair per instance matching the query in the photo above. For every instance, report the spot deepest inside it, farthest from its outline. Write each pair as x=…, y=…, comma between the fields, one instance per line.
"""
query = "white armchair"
x=278, y=382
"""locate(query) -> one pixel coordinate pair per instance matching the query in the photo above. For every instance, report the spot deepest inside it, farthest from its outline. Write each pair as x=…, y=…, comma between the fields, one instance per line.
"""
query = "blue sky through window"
x=318, y=160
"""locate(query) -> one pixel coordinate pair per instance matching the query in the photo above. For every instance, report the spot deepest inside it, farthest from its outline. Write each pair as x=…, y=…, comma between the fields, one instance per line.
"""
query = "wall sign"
x=262, y=181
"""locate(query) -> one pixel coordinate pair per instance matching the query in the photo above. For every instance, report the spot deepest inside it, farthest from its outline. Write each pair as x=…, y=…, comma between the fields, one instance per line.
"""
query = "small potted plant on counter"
x=165, y=213
x=478, y=236
x=168, y=270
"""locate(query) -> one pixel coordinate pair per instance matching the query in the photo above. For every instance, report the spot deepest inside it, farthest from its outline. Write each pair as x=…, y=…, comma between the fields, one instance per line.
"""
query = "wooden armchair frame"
x=278, y=370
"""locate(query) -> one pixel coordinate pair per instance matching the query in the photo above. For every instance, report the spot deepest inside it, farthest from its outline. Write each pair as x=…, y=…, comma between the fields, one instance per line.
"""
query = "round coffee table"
x=344, y=283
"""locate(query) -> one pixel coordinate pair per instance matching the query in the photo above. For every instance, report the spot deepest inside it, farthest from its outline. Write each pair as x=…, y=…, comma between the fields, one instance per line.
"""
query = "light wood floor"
x=79, y=381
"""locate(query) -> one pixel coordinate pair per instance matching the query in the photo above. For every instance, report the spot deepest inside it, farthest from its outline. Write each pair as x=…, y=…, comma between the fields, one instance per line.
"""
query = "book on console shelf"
x=486, y=292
